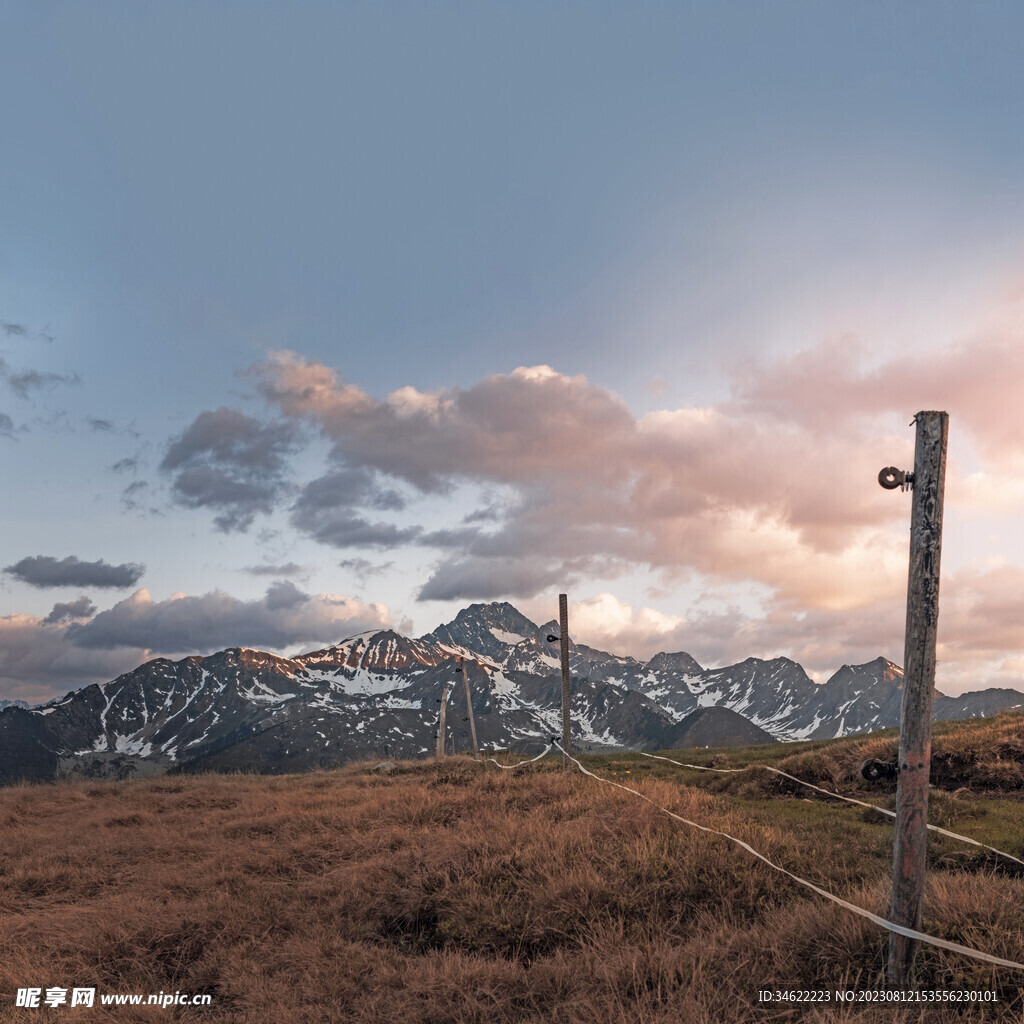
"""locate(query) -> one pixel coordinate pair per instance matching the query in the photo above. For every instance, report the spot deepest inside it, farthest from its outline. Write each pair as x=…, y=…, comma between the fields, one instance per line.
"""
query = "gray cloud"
x=100, y=425
x=23, y=383
x=288, y=569
x=6, y=425
x=284, y=594
x=13, y=330
x=83, y=608
x=349, y=488
x=283, y=617
x=37, y=663
x=231, y=463
x=47, y=571
x=326, y=511
x=133, y=496
x=483, y=579
x=344, y=529
x=363, y=568
x=126, y=465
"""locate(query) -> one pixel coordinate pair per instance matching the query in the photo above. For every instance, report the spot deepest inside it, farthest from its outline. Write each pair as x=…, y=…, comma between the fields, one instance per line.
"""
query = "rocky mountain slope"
x=719, y=727
x=378, y=694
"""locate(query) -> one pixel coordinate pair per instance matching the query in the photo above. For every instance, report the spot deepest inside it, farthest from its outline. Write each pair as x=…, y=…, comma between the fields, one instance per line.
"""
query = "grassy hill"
x=453, y=891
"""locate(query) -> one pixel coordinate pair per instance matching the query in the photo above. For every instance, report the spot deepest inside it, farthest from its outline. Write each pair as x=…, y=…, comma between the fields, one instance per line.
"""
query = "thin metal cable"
x=909, y=933
x=838, y=796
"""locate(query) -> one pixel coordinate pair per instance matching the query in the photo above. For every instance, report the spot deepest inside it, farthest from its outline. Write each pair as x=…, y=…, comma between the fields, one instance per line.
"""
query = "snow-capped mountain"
x=379, y=694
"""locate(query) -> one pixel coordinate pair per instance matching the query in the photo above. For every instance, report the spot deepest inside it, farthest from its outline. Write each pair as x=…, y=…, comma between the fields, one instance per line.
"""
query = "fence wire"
x=838, y=796
x=909, y=933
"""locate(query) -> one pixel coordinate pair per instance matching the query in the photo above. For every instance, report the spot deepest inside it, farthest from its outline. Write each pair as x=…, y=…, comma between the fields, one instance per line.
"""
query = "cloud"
x=37, y=663
x=284, y=594
x=288, y=569
x=326, y=511
x=482, y=579
x=827, y=390
x=126, y=465
x=132, y=498
x=980, y=631
x=47, y=571
x=509, y=427
x=363, y=568
x=43, y=657
x=284, y=617
x=6, y=425
x=100, y=425
x=731, y=494
x=13, y=330
x=83, y=608
x=773, y=488
x=23, y=383
x=231, y=463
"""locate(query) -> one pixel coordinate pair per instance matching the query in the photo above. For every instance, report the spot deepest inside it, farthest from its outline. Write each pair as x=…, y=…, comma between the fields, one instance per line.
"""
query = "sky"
x=317, y=318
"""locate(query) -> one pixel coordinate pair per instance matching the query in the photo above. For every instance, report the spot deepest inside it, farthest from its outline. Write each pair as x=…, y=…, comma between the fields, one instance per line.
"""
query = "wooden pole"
x=469, y=709
x=563, y=622
x=910, y=844
x=440, y=721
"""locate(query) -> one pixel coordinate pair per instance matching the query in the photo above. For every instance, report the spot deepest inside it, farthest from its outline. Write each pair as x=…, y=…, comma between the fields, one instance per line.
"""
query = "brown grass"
x=455, y=892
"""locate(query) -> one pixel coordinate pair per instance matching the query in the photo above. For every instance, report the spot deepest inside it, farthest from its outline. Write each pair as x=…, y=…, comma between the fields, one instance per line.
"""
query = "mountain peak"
x=489, y=629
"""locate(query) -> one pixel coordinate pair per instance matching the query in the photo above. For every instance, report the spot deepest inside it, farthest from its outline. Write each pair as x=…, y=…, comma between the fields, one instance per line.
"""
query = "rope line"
x=839, y=796
x=909, y=933
x=519, y=764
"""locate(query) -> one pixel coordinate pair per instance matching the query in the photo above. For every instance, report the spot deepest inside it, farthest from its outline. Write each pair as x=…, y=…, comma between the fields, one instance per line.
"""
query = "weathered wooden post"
x=469, y=708
x=440, y=721
x=910, y=844
x=563, y=622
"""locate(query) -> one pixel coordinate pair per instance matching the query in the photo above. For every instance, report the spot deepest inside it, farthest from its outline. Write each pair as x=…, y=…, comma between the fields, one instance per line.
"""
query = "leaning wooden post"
x=440, y=721
x=469, y=708
x=910, y=845
x=563, y=622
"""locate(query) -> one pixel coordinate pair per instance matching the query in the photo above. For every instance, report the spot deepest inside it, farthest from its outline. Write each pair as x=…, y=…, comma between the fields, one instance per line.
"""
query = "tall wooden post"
x=469, y=708
x=440, y=721
x=910, y=846
x=563, y=622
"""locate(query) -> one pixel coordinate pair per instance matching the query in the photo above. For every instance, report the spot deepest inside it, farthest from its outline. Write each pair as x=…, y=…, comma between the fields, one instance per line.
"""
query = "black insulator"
x=874, y=770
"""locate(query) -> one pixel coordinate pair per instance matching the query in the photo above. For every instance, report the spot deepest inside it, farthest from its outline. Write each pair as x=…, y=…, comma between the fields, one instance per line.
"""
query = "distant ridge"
x=719, y=727
x=377, y=694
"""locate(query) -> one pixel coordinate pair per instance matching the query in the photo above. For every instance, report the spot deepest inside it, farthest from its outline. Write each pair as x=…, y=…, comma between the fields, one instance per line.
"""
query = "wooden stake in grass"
x=909, y=849
x=440, y=721
x=469, y=708
x=563, y=622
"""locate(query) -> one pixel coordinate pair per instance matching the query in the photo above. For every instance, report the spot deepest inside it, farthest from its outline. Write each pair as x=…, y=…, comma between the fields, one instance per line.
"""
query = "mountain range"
x=379, y=694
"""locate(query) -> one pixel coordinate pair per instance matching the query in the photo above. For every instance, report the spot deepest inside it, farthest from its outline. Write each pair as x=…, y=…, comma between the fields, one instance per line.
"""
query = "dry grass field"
x=451, y=891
